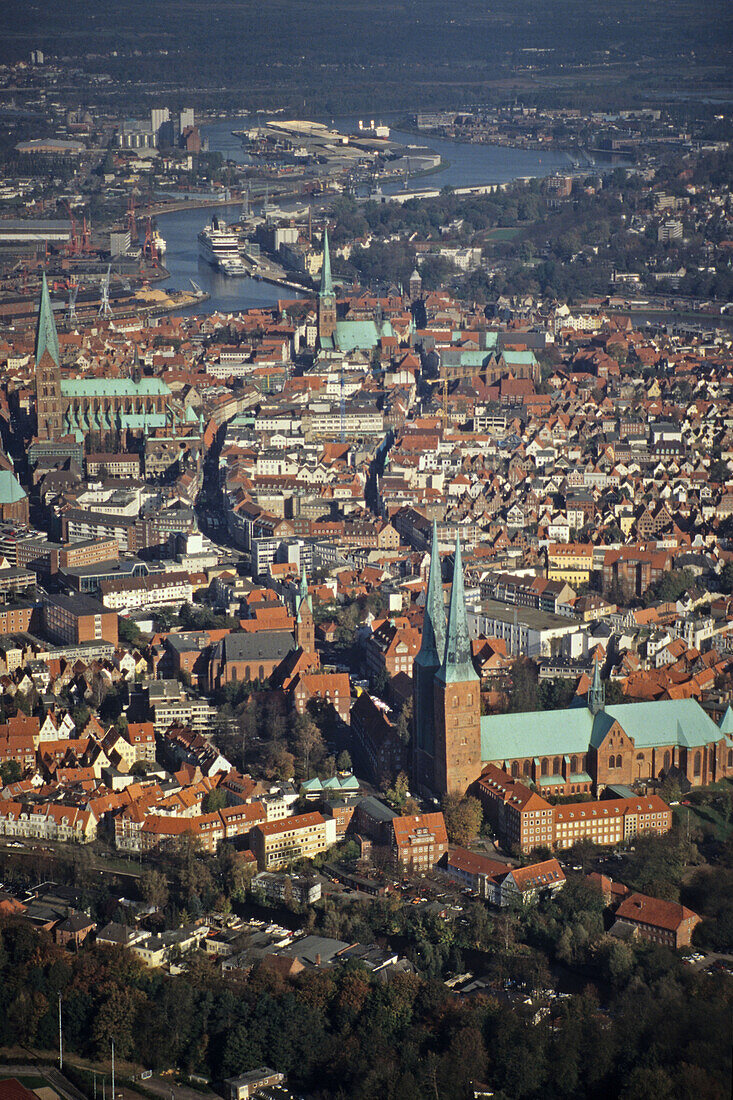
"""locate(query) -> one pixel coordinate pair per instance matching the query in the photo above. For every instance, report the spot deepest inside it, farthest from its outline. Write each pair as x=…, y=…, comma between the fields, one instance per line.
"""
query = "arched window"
x=556, y=766
x=730, y=758
x=711, y=758
x=469, y=699
x=515, y=769
x=698, y=763
x=667, y=760
x=639, y=756
x=574, y=764
x=234, y=672
x=527, y=769
x=543, y=769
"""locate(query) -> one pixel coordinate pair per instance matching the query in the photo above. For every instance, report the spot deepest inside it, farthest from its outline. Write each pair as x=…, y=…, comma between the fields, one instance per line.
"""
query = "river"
x=465, y=166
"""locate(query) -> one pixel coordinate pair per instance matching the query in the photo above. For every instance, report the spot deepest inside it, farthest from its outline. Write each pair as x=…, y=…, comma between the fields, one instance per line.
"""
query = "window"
x=667, y=760
x=697, y=764
x=469, y=699
x=574, y=764
x=515, y=770
x=544, y=767
x=527, y=766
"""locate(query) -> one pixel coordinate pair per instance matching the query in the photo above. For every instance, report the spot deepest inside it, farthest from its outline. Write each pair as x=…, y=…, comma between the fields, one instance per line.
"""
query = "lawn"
x=709, y=808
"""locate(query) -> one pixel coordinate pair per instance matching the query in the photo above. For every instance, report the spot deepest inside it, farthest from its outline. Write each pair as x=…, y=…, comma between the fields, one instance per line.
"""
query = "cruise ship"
x=219, y=246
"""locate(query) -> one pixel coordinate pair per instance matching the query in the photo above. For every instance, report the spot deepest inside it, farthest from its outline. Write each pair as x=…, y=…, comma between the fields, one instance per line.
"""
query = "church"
x=585, y=747
x=102, y=408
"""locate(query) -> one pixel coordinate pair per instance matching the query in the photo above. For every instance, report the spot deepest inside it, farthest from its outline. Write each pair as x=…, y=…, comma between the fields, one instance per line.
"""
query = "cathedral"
x=104, y=409
x=585, y=747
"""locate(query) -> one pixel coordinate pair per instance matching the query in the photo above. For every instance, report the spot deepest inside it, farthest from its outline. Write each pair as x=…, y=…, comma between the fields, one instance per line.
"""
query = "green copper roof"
x=432, y=645
x=519, y=358
x=457, y=666
x=303, y=597
x=10, y=488
x=326, y=284
x=726, y=722
x=597, y=692
x=46, y=336
x=663, y=722
x=114, y=387
x=360, y=335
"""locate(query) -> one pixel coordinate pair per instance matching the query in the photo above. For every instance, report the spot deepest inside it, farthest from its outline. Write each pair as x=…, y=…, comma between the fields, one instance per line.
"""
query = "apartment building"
x=524, y=820
x=419, y=841
x=277, y=843
x=155, y=590
x=47, y=821
x=78, y=619
x=571, y=562
x=113, y=465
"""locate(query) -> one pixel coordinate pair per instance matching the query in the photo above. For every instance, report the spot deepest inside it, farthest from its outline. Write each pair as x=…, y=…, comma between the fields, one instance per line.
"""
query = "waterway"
x=465, y=166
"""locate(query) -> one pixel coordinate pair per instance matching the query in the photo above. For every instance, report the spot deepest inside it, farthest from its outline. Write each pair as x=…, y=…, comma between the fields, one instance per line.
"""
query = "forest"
x=658, y=1031
x=375, y=54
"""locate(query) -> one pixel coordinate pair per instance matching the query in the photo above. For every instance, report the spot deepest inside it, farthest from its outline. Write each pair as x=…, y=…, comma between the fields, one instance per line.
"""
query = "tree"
x=463, y=818
x=140, y=768
x=403, y=726
x=214, y=800
x=309, y=744
x=154, y=888
x=10, y=772
x=344, y=762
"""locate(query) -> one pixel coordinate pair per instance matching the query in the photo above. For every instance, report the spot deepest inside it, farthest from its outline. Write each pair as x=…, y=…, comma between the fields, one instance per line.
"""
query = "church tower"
x=596, y=691
x=49, y=399
x=326, y=299
x=457, y=700
x=424, y=668
x=304, y=626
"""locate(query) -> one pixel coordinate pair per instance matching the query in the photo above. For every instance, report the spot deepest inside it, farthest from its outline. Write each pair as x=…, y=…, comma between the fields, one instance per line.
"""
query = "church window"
x=544, y=767
x=469, y=699
x=455, y=701
x=730, y=758
x=573, y=764
x=698, y=763
x=667, y=760
x=515, y=769
x=556, y=766
x=527, y=767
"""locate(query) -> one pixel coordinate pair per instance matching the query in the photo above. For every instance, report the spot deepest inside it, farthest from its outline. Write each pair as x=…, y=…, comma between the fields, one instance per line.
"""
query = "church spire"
x=597, y=691
x=433, y=631
x=457, y=663
x=46, y=336
x=304, y=600
x=326, y=284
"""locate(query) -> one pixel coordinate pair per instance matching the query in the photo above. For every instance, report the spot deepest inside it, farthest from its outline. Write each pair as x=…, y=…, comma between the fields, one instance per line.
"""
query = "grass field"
x=709, y=809
x=506, y=234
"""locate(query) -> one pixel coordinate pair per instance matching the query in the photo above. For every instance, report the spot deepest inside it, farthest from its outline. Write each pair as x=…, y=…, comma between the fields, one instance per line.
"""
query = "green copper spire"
x=46, y=337
x=433, y=630
x=303, y=597
x=326, y=284
x=597, y=691
x=457, y=666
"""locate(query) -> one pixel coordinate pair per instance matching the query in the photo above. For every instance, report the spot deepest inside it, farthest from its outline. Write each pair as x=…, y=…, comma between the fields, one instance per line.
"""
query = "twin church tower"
x=446, y=690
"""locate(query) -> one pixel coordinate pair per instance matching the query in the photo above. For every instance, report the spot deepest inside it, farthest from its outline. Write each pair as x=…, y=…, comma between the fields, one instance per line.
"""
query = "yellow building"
x=278, y=843
x=570, y=561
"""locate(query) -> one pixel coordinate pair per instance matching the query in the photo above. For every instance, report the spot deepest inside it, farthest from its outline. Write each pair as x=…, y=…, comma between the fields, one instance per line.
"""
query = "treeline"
x=344, y=1033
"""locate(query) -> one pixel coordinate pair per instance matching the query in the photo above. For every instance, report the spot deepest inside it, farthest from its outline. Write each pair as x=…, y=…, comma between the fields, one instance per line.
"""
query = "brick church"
x=583, y=748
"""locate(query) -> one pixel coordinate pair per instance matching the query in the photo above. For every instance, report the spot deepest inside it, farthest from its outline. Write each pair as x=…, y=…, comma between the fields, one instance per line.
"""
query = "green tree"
x=463, y=818
x=214, y=800
x=10, y=772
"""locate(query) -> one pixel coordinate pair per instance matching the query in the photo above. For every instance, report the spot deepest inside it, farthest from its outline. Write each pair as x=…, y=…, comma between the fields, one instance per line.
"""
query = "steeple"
x=326, y=284
x=597, y=691
x=457, y=666
x=433, y=631
x=46, y=336
x=304, y=600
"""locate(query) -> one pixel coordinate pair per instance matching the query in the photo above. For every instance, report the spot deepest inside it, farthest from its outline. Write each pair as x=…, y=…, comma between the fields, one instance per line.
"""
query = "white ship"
x=219, y=246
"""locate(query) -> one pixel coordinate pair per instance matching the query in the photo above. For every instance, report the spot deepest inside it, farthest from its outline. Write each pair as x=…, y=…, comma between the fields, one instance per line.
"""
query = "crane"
x=73, y=291
x=105, y=309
